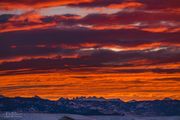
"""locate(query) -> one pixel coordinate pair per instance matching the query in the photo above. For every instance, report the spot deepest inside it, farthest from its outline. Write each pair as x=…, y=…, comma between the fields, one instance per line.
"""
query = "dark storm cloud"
x=28, y=50
x=66, y=19
x=102, y=58
x=147, y=4
x=146, y=19
x=5, y=17
x=160, y=4
x=136, y=19
x=98, y=3
x=26, y=41
x=129, y=18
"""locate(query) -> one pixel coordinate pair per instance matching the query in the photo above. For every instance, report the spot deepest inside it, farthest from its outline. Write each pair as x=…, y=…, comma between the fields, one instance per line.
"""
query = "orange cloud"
x=156, y=30
x=126, y=5
x=28, y=17
x=124, y=86
x=8, y=27
x=35, y=4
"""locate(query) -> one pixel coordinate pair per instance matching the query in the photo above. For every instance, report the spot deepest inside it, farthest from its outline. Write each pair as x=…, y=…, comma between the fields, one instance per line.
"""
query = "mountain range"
x=91, y=106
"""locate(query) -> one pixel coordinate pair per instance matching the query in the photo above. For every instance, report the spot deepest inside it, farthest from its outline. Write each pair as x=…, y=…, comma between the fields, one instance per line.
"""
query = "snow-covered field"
x=36, y=116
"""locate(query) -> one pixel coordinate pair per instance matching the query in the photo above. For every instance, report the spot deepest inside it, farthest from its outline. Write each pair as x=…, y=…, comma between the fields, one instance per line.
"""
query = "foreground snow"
x=36, y=116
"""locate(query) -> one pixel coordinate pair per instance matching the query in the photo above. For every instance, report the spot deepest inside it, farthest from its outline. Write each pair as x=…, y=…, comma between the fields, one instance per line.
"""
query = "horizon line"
x=86, y=97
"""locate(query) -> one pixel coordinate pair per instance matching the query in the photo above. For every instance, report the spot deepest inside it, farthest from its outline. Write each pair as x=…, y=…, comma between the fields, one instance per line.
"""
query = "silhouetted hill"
x=91, y=106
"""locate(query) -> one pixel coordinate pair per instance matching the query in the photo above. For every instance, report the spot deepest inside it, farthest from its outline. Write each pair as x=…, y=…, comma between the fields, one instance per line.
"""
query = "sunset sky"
x=127, y=49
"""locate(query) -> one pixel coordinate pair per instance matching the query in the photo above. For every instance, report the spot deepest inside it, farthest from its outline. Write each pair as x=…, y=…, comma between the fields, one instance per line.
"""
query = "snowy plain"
x=40, y=116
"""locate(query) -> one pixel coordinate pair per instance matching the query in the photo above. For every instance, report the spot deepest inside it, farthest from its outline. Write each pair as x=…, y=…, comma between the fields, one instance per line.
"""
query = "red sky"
x=128, y=49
